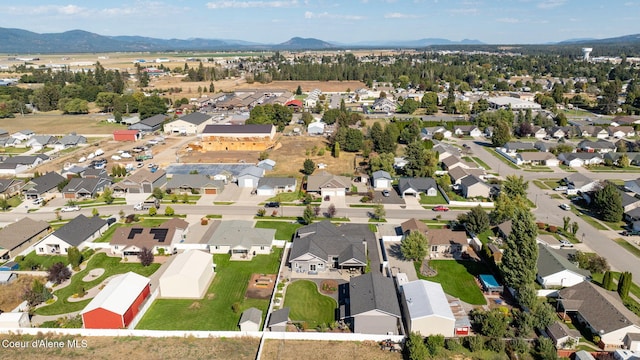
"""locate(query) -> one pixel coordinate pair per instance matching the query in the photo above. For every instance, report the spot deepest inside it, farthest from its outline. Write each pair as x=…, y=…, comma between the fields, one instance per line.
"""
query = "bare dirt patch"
x=109, y=348
x=336, y=350
x=260, y=286
x=11, y=294
x=328, y=286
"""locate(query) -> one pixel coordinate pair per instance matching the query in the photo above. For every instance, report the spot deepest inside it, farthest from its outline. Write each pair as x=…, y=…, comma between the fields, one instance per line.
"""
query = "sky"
x=337, y=21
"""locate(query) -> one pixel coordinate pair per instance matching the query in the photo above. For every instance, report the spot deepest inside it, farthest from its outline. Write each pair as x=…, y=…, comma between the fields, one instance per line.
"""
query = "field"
x=336, y=350
x=11, y=294
x=109, y=348
x=55, y=123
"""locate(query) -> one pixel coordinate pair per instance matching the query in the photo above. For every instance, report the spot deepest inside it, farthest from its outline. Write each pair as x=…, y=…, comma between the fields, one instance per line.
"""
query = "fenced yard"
x=457, y=278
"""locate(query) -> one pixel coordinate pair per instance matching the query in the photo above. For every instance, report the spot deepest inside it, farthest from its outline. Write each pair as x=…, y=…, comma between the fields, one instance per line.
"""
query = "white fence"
x=471, y=204
x=144, y=309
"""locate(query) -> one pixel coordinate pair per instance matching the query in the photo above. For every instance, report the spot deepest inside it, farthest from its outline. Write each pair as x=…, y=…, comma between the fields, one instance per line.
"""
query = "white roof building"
x=427, y=309
x=188, y=275
x=513, y=103
x=14, y=320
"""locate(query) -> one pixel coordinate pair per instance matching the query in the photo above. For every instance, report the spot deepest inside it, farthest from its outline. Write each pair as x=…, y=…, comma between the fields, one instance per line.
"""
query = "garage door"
x=210, y=191
x=328, y=192
x=246, y=183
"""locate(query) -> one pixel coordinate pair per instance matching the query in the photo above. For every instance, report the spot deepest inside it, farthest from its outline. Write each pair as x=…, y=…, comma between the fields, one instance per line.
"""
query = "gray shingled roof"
x=46, y=182
x=372, y=291
x=16, y=233
x=279, y=316
x=251, y=315
x=550, y=262
x=195, y=118
x=275, y=182
x=324, y=239
x=420, y=184
x=326, y=180
x=194, y=181
x=79, y=229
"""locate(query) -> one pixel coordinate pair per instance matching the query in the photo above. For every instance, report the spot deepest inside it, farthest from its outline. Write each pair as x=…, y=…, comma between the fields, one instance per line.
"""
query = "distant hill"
x=304, y=43
x=625, y=39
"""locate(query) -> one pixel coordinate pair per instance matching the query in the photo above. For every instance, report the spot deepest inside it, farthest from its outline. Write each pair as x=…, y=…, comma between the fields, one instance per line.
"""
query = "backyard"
x=215, y=310
x=458, y=278
x=111, y=265
x=308, y=305
x=284, y=229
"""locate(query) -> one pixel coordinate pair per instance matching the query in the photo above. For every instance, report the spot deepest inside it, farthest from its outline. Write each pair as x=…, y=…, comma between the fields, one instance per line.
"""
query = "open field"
x=54, y=122
x=336, y=350
x=11, y=294
x=109, y=348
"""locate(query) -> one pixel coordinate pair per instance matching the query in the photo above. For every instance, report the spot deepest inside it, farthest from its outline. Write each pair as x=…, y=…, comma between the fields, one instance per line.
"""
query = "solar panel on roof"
x=159, y=234
x=133, y=232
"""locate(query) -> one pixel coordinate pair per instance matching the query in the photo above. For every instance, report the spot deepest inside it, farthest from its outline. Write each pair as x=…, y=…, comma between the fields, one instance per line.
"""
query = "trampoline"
x=489, y=283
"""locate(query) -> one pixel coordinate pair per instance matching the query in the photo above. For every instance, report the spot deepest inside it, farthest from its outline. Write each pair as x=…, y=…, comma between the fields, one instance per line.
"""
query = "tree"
x=157, y=193
x=336, y=150
x=95, y=212
x=565, y=223
x=307, y=215
x=331, y=211
x=168, y=211
x=306, y=118
x=74, y=256
x=308, y=167
x=36, y=294
x=4, y=204
x=574, y=228
x=519, y=263
x=607, y=280
x=414, y=246
x=546, y=349
x=409, y=106
x=58, y=273
x=420, y=161
x=493, y=323
x=624, y=161
x=383, y=162
x=416, y=348
x=153, y=211
x=515, y=186
x=151, y=105
x=501, y=133
x=146, y=256
x=434, y=343
x=624, y=284
x=379, y=212
x=607, y=203
x=477, y=220
x=107, y=196
x=505, y=208
x=430, y=103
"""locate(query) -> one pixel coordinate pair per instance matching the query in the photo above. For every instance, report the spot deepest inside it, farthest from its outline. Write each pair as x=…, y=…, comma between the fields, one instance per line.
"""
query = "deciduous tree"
x=414, y=246
x=145, y=256
x=58, y=273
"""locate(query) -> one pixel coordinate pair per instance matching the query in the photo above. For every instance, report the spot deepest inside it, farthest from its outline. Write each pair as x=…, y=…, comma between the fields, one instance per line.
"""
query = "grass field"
x=214, y=311
x=112, y=266
x=432, y=200
x=458, y=278
x=308, y=305
x=284, y=229
x=45, y=261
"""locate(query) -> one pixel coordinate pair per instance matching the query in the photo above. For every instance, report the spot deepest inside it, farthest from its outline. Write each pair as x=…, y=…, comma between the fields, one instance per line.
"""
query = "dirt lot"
x=260, y=286
x=335, y=350
x=11, y=294
x=136, y=348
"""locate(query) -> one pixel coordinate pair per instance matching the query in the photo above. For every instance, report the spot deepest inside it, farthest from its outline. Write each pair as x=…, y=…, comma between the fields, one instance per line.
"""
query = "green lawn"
x=284, y=229
x=44, y=261
x=629, y=247
x=484, y=236
x=287, y=197
x=502, y=158
x=432, y=200
x=540, y=184
x=308, y=305
x=214, y=312
x=481, y=163
x=458, y=278
x=112, y=266
x=587, y=217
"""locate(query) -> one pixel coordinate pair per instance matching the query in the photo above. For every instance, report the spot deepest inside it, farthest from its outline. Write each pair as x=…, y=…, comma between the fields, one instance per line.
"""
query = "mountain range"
x=80, y=41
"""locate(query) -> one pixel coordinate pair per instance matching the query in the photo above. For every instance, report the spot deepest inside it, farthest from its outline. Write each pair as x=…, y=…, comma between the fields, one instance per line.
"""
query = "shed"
x=188, y=276
x=427, y=309
x=279, y=319
x=7, y=277
x=15, y=320
x=381, y=179
x=316, y=128
x=118, y=303
x=250, y=320
x=10, y=266
x=126, y=135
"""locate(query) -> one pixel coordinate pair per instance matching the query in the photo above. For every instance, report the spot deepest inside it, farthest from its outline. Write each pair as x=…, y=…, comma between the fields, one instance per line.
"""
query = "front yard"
x=215, y=310
x=308, y=305
x=432, y=200
x=458, y=278
x=284, y=229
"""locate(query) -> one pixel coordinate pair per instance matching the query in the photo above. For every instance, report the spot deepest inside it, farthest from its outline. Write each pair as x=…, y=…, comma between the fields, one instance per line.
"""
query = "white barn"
x=427, y=310
x=188, y=276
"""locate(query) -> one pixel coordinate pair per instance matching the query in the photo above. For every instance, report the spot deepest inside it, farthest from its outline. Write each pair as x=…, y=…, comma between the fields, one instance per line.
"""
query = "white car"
x=126, y=155
x=38, y=201
x=82, y=159
x=115, y=157
x=565, y=207
x=70, y=208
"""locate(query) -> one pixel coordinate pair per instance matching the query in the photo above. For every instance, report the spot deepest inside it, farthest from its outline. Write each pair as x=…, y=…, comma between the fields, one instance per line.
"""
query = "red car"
x=441, y=208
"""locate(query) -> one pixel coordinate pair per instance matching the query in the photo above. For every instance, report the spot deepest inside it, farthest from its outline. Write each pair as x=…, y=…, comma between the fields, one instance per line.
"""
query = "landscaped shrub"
x=235, y=307
x=541, y=225
x=475, y=343
x=553, y=229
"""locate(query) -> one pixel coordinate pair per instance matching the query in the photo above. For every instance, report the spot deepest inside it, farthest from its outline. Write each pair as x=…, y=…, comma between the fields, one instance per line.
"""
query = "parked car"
x=272, y=204
x=631, y=232
x=565, y=243
x=70, y=208
x=115, y=157
x=565, y=207
x=440, y=208
x=386, y=193
x=561, y=188
x=38, y=201
x=126, y=155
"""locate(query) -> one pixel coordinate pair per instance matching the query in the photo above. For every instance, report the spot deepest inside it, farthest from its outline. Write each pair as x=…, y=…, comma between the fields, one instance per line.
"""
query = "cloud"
x=508, y=20
x=326, y=15
x=550, y=4
x=45, y=10
x=397, y=15
x=250, y=4
x=465, y=11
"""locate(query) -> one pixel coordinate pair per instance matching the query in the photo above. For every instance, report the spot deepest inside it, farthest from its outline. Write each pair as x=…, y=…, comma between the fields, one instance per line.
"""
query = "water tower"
x=585, y=53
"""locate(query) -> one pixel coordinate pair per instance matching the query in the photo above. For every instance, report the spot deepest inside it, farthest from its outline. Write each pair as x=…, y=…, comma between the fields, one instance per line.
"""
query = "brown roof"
x=21, y=231
x=145, y=175
x=447, y=237
x=414, y=224
x=142, y=237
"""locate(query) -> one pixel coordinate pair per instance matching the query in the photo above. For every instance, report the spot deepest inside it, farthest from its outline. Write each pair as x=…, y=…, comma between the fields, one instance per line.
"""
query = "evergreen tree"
x=607, y=280
x=307, y=215
x=308, y=167
x=336, y=150
x=624, y=284
x=501, y=133
x=515, y=186
x=607, y=202
x=477, y=220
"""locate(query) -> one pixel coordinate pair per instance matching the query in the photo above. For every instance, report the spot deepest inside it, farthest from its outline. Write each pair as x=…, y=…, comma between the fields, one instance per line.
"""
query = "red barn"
x=126, y=135
x=118, y=303
x=295, y=104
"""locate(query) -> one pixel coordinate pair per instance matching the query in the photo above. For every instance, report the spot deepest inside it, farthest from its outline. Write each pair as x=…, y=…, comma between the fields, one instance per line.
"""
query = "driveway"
x=231, y=192
x=397, y=262
x=393, y=197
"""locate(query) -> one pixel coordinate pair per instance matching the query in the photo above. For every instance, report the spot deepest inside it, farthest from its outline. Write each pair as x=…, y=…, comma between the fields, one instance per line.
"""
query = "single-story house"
x=581, y=183
x=118, y=303
x=23, y=232
x=428, y=133
x=601, y=311
x=240, y=239
x=555, y=270
x=539, y=132
x=69, y=141
x=427, y=311
x=127, y=135
x=373, y=305
x=250, y=320
x=619, y=132
x=85, y=188
x=76, y=233
x=458, y=173
x=316, y=128
x=537, y=158
x=413, y=225
x=23, y=135
x=322, y=246
x=129, y=241
x=249, y=177
x=445, y=150
x=472, y=186
x=38, y=142
x=592, y=131
x=384, y=105
x=279, y=319
x=190, y=124
x=381, y=180
x=513, y=147
x=468, y=130
x=328, y=184
x=599, y=146
x=614, y=157
x=194, y=184
x=15, y=320
x=580, y=159
x=271, y=186
x=150, y=124
x=142, y=181
x=451, y=162
x=416, y=186
x=562, y=336
x=633, y=186
x=10, y=187
x=446, y=242
x=545, y=146
x=188, y=276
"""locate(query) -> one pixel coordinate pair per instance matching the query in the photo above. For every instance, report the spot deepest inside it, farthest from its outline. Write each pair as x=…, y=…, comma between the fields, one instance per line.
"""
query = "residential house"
x=279, y=319
x=72, y=171
x=452, y=162
x=142, y=181
x=30, y=161
x=426, y=309
x=562, y=336
x=23, y=135
x=76, y=233
x=417, y=186
x=42, y=185
x=629, y=202
x=580, y=183
x=625, y=120
x=458, y=173
x=413, y=225
x=619, y=132
x=555, y=270
x=384, y=105
x=467, y=130
x=558, y=132
x=316, y=128
x=129, y=241
x=150, y=124
x=381, y=180
x=633, y=186
x=373, y=306
x=39, y=142
x=249, y=177
x=10, y=187
x=322, y=246
x=592, y=131
x=428, y=132
x=614, y=157
x=69, y=141
x=537, y=158
x=190, y=124
x=327, y=184
x=85, y=188
x=446, y=242
x=472, y=187
x=601, y=311
x=17, y=236
x=513, y=147
x=271, y=186
x=445, y=150
x=399, y=162
x=581, y=159
x=600, y=146
x=240, y=239
x=539, y=132
x=194, y=184
x=545, y=146
x=504, y=229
